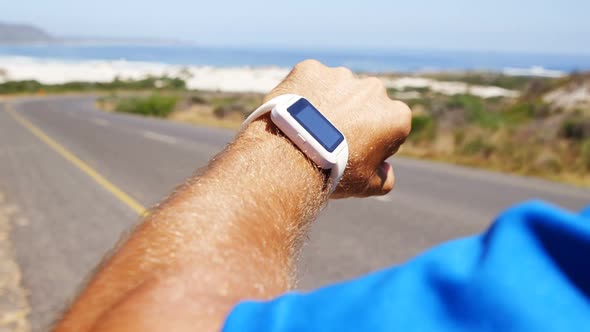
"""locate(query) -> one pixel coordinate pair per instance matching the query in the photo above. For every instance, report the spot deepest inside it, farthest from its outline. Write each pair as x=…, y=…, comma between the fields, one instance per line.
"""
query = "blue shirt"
x=530, y=271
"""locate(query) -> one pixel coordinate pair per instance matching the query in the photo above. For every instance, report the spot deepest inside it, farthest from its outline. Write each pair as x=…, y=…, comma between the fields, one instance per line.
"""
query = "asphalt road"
x=68, y=221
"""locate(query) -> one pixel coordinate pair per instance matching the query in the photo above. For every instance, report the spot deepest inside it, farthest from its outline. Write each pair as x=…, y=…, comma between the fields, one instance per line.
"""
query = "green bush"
x=478, y=112
x=423, y=127
x=575, y=128
x=224, y=111
x=197, y=99
x=477, y=146
x=154, y=105
x=459, y=136
x=523, y=111
x=29, y=86
x=475, y=111
x=224, y=101
x=423, y=102
x=519, y=113
x=149, y=83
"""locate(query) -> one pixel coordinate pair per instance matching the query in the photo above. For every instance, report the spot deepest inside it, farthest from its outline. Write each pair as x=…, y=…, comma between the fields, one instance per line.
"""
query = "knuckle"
x=307, y=64
x=386, y=189
x=376, y=85
x=403, y=109
x=374, y=82
x=405, y=116
x=343, y=71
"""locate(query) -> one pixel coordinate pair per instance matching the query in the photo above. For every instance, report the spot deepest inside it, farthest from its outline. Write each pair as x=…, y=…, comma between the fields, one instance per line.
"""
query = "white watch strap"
x=336, y=172
x=267, y=107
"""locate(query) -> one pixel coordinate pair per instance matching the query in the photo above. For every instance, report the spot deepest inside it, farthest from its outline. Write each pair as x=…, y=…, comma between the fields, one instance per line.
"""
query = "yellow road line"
x=120, y=194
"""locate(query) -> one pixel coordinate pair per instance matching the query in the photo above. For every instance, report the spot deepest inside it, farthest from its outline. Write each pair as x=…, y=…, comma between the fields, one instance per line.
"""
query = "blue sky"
x=501, y=25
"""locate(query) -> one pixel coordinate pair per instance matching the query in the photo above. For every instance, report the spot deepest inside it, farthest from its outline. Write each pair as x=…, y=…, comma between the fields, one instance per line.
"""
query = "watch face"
x=316, y=124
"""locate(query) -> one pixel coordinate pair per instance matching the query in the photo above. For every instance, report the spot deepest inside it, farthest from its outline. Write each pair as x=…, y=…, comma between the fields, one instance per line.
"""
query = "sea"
x=358, y=60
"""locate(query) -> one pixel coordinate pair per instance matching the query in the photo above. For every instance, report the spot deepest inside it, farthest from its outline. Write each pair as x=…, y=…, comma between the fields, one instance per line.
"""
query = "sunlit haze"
x=502, y=25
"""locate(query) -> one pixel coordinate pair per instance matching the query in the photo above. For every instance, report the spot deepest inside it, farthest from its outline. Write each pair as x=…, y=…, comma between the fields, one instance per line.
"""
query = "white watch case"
x=334, y=160
x=281, y=117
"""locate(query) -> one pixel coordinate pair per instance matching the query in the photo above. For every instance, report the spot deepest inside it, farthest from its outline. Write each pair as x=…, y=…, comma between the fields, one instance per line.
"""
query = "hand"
x=374, y=125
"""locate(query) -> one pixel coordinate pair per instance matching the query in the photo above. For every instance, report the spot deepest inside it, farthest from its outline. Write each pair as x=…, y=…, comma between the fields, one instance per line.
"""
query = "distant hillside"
x=23, y=34
x=11, y=34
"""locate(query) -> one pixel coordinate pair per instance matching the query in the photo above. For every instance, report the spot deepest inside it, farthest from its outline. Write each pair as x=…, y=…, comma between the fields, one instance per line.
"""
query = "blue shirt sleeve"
x=530, y=271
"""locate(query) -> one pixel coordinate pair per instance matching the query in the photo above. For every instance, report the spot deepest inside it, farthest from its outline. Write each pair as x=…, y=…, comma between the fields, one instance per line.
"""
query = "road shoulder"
x=14, y=304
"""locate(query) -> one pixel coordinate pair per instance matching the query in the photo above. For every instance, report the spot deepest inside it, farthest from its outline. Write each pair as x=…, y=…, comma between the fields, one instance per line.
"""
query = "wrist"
x=279, y=156
x=272, y=169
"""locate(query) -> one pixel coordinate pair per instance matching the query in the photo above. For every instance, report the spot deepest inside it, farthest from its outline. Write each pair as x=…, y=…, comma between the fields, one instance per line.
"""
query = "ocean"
x=358, y=60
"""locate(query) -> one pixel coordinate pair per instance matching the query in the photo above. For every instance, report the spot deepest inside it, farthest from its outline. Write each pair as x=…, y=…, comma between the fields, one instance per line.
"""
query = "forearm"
x=232, y=233
x=228, y=234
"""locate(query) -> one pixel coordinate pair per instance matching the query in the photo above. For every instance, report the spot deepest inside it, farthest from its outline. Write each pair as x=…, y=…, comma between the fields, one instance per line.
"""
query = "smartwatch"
x=310, y=131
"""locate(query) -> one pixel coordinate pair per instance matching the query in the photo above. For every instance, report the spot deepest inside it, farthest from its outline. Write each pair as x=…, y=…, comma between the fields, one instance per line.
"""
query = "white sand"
x=449, y=88
x=242, y=79
x=572, y=97
x=237, y=79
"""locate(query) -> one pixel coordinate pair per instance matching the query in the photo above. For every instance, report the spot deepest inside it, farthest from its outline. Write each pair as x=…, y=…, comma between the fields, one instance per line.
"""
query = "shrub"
x=29, y=86
x=524, y=111
x=149, y=83
x=575, y=128
x=197, y=99
x=423, y=127
x=420, y=102
x=237, y=110
x=519, y=113
x=547, y=162
x=477, y=146
x=475, y=111
x=154, y=105
x=459, y=136
x=224, y=101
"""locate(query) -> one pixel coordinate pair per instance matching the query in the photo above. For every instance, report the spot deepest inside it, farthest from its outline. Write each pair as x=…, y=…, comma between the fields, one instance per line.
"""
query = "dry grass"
x=202, y=115
x=205, y=120
x=567, y=177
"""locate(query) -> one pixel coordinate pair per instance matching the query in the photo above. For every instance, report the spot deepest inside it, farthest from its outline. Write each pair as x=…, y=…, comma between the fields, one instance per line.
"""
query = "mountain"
x=13, y=34
x=23, y=34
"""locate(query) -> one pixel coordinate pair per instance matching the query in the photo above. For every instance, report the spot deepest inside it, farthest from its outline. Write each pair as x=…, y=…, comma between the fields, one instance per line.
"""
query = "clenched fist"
x=374, y=125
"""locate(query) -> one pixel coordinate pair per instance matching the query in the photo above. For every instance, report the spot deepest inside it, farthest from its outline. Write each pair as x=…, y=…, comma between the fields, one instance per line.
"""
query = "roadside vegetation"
x=484, y=78
x=543, y=132
x=207, y=108
x=149, y=83
x=153, y=105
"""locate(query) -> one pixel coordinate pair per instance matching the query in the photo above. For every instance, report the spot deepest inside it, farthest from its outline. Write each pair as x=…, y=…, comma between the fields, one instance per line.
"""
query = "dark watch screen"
x=316, y=124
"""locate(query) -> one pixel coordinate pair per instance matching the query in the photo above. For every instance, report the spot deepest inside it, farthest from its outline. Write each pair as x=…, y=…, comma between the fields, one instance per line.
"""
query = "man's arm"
x=233, y=231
